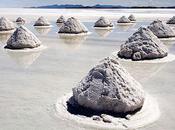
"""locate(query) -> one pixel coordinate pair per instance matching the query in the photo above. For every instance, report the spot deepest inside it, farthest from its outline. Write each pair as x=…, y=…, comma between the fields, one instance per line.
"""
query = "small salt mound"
x=42, y=22
x=171, y=20
x=123, y=19
x=61, y=19
x=143, y=45
x=109, y=87
x=6, y=25
x=20, y=20
x=132, y=18
x=22, y=38
x=73, y=26
x=161, y=30
x=103, y=22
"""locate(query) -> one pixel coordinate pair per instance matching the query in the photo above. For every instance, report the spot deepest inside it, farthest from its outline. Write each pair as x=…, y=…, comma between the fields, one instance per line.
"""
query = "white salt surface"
x=148, y=114
x=42, y=27
x=104, y=28
x=71, y=34
x=169, y=58
x=39, y=48
x=7, y=32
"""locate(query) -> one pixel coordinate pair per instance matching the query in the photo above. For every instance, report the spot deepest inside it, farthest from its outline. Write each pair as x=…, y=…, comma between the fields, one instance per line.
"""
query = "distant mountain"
x=97, y=6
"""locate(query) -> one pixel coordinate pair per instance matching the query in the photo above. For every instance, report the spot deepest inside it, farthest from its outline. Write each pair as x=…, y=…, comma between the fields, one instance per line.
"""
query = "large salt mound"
x=73, y=26
x=22, y=38
x=161, y=30
x=143, y=45
x=123, y=19
x=42, y=22
x=132, y=18
x=108, y=87
x=103, y=22
x=20, y=20
x=171, y=20
x=61, y=19
x=6, y=25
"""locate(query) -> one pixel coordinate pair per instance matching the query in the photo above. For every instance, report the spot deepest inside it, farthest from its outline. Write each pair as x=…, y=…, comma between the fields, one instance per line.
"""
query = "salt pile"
x=6, y=25
x=42, y=22
x=143, y=45
x=73, y=26
x=22, y=38
x=103, y=22
x=161, y=30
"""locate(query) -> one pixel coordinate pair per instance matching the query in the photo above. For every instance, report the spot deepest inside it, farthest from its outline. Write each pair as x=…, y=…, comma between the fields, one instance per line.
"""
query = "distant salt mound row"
x=109, y=87
x=20, y=20
x=22, y=38
x=123, y=19
x=73, y=26
x=103, y=22
x=61, y=19
x=143, y=45
x=171, y=20
x=6, y=25
x=42, y=22
x=161, y=30
x=132, y=18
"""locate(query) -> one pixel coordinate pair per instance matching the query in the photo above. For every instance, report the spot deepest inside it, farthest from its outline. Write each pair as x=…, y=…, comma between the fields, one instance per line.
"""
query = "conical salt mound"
x=20, y=20
x=103, y=22
x=61, y=19
x=132, y=18
x=6, y=25
x=42, y=22
x=22, y=38
x=143, y=45
x=73, y=26
x=108, y=87
x=123, y=19
x=171, y=20
x=161, y=30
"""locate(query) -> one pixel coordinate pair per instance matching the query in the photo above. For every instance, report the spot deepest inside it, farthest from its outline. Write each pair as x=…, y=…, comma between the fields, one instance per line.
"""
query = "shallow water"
x=30, y=83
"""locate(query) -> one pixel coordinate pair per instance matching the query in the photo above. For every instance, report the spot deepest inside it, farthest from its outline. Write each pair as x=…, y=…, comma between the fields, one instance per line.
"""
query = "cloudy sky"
x=28, y=3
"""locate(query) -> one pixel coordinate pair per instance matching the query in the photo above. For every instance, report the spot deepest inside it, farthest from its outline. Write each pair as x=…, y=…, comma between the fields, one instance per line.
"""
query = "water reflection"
x=4, y=37
x=43, y=31
x=143, y=71
x=72, y=41
x=123, y=27
x=24, y=59
x=103, y=32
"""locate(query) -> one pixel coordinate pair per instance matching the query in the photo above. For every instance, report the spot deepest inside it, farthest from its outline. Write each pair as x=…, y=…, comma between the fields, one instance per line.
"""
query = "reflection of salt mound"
x=103, y=32
x=4, y=37
x=20, y=20
x=123, y=19
x=143, y=72
x=24, y=59
x=132, y=18
x=161, y=30
x=73, y=26
x=22, y=38
x=148, y=114
x=143, y=45
x=73, y=41
x=61, y=19
x=103, y=22
x=42, y=22
x=171, y=20
x=108, y=87
x=6, y=26
x=43, y=31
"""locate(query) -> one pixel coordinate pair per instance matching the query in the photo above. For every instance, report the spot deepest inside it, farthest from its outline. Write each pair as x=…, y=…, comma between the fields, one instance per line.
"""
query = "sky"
x=29, y=3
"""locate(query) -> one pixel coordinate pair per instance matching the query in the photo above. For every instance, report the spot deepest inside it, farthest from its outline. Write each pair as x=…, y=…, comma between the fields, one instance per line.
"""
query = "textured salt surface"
x=50, y=26
x=103, y=28
x=148, y=114
x=78, y=34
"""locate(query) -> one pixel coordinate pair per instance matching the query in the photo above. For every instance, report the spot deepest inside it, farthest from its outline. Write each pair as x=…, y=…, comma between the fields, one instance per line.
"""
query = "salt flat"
x=30, y=84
